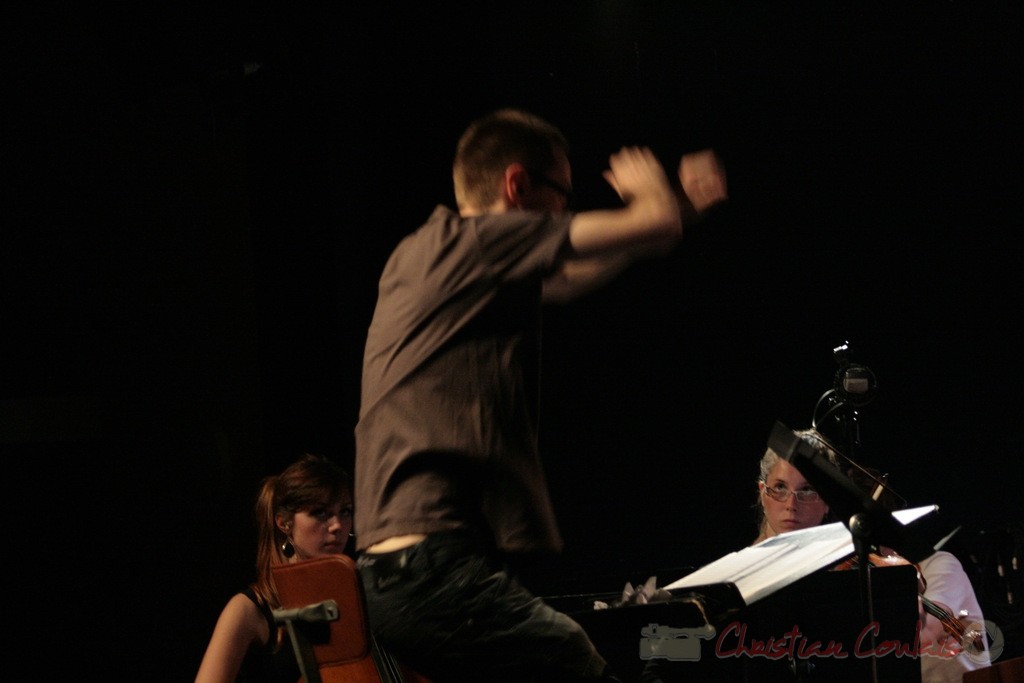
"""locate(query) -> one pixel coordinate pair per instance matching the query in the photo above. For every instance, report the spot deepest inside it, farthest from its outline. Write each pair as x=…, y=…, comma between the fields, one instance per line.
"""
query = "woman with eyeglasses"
x=785, y=500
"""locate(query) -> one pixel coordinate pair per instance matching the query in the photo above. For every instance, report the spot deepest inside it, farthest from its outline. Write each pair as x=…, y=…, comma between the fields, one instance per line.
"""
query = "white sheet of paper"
x=776, y=562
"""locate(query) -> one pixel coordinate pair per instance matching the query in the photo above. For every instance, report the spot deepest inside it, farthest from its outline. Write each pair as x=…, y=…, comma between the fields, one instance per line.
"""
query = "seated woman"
x=787, y=502
x=302, y=513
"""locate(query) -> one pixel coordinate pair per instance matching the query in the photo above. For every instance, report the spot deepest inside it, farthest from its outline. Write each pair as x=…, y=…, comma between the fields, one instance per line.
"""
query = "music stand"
x=870, y=524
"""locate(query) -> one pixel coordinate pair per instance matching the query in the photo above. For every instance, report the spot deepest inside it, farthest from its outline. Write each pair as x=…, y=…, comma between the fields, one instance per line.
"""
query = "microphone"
x=856, y=384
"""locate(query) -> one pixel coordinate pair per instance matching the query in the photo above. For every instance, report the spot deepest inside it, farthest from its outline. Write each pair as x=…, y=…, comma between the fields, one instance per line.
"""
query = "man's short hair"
x=494, y=141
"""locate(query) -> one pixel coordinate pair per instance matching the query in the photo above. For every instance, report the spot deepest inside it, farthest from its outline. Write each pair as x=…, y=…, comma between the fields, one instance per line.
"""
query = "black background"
x=200, y=197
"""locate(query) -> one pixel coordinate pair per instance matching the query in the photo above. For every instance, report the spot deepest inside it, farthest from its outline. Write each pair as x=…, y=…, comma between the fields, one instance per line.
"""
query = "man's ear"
x=516, y=185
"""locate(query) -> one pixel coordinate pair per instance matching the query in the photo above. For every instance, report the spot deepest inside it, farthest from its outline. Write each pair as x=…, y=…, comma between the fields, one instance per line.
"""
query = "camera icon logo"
x=674, y=644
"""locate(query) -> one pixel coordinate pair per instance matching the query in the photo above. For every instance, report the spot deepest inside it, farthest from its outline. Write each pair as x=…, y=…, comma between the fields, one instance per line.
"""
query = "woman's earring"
x=287, y=549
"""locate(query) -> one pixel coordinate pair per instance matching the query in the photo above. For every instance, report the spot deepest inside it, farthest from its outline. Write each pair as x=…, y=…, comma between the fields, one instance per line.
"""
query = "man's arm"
x=577, y=276
x=603, y=243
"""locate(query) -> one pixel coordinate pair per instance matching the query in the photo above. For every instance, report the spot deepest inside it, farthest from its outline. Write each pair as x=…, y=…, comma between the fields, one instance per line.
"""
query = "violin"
x=970, y=638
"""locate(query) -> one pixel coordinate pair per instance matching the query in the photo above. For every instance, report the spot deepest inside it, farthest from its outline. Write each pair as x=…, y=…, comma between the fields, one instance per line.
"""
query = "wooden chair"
x=323, y=605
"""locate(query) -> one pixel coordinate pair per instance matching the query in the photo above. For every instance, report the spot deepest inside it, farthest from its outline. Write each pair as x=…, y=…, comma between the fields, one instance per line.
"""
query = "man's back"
x=449, y=383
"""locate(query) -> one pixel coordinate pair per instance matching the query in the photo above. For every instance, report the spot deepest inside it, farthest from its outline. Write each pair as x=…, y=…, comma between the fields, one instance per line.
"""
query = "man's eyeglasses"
x=780, y=493
x=542, y=179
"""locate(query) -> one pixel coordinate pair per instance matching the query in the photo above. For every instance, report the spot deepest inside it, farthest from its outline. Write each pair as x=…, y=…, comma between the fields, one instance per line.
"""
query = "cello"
x=344, y=648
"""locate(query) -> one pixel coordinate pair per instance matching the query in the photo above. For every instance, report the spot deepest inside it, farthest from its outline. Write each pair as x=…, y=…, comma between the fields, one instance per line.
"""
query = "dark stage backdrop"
x=200, y=196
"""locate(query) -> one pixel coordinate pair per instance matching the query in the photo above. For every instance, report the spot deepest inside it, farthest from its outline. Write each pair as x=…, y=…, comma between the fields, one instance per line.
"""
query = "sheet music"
x=776, y=562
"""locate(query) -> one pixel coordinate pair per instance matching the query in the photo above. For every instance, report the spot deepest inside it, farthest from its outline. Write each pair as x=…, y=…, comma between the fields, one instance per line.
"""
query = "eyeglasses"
x=542, y=179
x=780, y=493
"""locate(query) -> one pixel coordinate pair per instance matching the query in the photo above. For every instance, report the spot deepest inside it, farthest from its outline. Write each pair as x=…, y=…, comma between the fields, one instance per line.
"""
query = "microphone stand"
x=854, y=387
